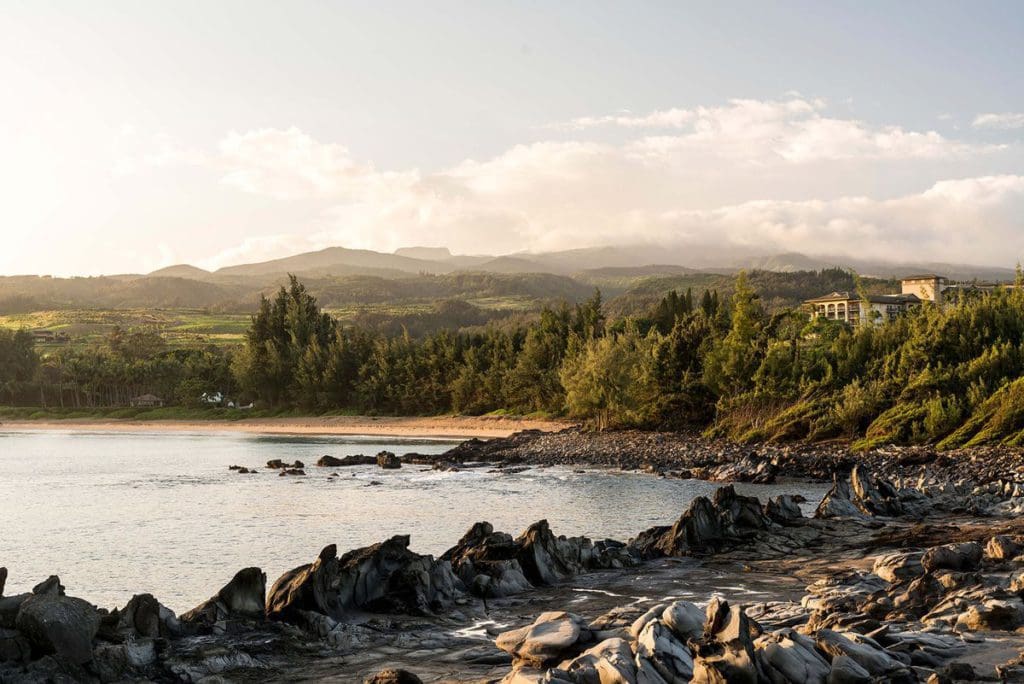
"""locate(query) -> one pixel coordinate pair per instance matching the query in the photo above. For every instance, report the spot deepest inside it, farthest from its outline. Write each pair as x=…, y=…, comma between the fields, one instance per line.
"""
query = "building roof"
x=924, y=276
x=848, y=296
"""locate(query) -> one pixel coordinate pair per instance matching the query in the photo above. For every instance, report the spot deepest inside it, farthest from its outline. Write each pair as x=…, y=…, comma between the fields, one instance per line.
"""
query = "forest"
x=728, y=364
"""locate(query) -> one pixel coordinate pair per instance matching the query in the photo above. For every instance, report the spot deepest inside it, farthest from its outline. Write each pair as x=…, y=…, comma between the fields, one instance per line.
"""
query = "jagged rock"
x=672, y=660
x=307, y=587
x=61, y=625
x=902, y=566
x=783, y=509
x=725, y=652
x=385, y=577
x=388, y=460
x=964, y=556
x=685, y=620
x=751, y=467
x=240, y=599
x=545, y=558
x=874, y=496
x=788, y=656
x=486, y=563
x=393, y=677
x=866, y=652
x=549, y=638
x=50, y=586
x=838, y=501
x=144, y=616
x=1001, y=547
x=609, y=662
x=705, y=526
x=3, y=579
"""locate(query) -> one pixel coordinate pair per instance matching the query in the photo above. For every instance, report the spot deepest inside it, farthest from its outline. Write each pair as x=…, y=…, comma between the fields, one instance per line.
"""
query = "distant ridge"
x=180, y=271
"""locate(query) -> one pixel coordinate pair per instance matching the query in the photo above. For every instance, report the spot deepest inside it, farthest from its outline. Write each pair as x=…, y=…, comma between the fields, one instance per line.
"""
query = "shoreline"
x=441, y=427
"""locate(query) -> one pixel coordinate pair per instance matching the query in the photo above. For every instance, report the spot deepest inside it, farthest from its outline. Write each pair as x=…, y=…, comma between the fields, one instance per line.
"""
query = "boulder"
x=963, y=556
x=486, y=563
x=393, y=677
x=609, y=662
x=549, y=638
x=725, y=652
x=788, y=656
x=1001, y=548
x=545, y=558
x=993, y=614
x=902, y=566
x=685, y=619
x=50, y=586
x=307, y=588
x=388, y=460
x=59, y=625
x=783, y=509
x=669, y=657
x=144, y=616
x=241, y=599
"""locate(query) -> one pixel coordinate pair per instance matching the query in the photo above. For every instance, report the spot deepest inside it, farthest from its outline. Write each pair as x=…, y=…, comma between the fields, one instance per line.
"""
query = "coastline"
x=454, y=427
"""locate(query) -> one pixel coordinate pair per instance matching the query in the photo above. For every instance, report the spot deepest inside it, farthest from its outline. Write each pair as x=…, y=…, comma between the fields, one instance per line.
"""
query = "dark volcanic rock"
x=241, y=599
x=60, y=625
x=386, y=578
x=3, y=579
x=388, y=460
x=706, y=526
x=352, y=460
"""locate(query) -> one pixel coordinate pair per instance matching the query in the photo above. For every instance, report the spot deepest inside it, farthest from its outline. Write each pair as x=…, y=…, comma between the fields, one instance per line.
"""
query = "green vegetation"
x=736, y=366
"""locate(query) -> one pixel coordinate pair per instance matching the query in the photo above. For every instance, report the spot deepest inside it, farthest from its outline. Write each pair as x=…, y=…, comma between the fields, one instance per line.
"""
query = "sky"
x=136, y=135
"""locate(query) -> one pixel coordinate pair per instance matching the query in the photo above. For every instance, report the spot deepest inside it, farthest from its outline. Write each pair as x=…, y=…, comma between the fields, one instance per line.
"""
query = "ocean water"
x=115, y=514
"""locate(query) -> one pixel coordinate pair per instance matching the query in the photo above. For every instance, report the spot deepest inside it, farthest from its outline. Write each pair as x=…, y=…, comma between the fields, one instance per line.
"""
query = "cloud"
x=289, y=164
x=1005, y=120
x=759, y=176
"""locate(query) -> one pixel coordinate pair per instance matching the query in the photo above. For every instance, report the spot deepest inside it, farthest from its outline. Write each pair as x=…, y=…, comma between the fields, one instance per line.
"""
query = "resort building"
x=851, y=308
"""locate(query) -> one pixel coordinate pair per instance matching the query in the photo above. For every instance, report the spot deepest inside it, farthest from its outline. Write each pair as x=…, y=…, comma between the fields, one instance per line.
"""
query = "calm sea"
x=116, y=514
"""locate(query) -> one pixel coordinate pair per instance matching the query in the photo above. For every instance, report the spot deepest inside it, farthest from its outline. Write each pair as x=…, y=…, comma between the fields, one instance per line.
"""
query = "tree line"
x=946, y=375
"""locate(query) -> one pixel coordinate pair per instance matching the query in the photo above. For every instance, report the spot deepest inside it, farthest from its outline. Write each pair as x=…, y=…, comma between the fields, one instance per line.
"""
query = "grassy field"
x=179, y=327
x=192, y=327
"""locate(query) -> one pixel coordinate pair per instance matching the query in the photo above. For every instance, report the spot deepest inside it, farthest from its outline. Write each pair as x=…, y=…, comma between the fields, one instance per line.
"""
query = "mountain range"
x=345, y=278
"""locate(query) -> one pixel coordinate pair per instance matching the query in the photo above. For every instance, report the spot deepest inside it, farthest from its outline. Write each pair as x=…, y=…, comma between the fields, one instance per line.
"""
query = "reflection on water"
x=116, y=514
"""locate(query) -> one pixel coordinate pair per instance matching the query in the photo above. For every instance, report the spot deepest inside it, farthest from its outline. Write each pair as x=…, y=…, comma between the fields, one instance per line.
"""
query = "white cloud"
x=757, y=175
x=1005, y=120
x=289, y=164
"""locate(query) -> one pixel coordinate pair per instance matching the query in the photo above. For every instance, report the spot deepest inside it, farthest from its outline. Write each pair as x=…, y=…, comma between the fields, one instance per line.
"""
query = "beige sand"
x=438, y=426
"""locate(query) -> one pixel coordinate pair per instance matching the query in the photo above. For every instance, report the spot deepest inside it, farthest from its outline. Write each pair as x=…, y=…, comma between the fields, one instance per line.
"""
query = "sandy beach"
x=484, y=427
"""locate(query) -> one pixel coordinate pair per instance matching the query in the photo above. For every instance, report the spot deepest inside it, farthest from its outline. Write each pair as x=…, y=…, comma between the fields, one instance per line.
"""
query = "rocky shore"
x=887, y=581
x=674, y=454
